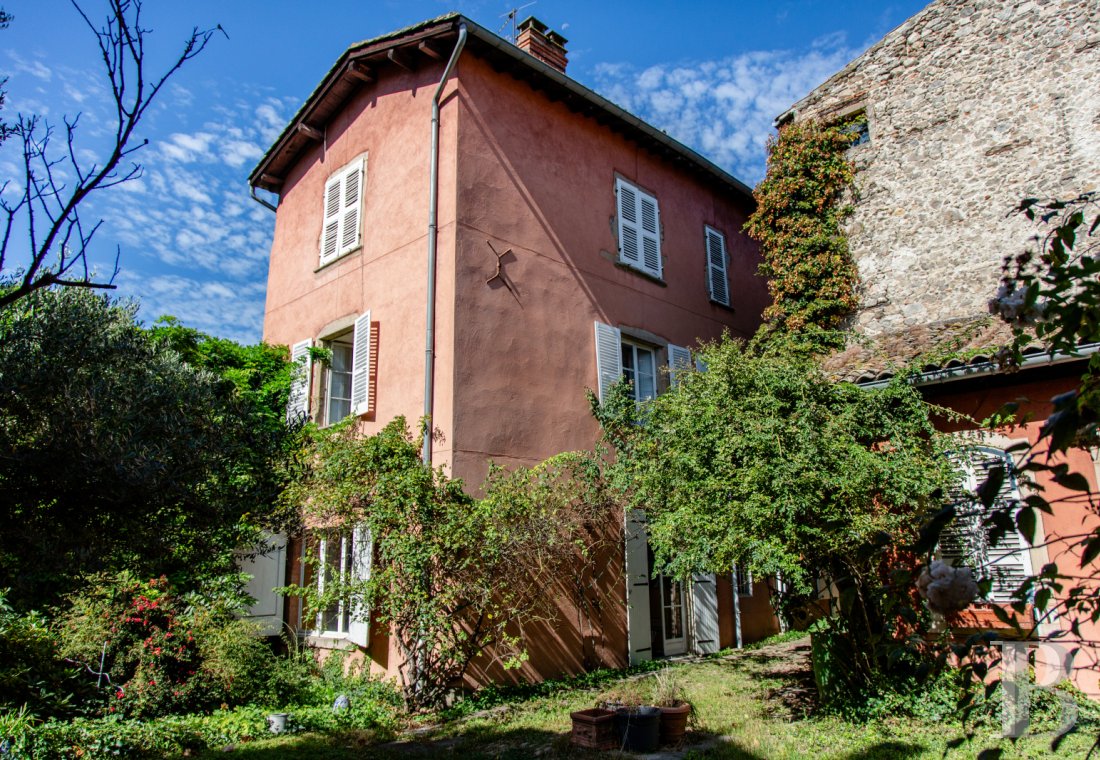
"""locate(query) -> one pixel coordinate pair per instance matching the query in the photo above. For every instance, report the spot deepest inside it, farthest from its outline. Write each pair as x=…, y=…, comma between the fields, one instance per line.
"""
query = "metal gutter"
x=941, y=376
x=433, y=236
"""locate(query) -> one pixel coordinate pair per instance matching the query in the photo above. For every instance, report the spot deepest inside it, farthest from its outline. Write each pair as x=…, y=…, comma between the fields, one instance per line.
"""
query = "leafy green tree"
x=116, y=452
x=454, y=579
x=762, y=460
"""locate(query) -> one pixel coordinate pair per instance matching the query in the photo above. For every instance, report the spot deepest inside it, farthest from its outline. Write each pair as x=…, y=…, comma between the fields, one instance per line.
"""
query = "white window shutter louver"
x=360, y=365
x=341, y=231
x=717, y=280
x=679, y=360
x=362, y=550
x=297, y=407
x=639, y=640
x=651, y=234
x=352, y=204
x=609, y=358
x=330, y=229
x=704, y=602
x=639, y=228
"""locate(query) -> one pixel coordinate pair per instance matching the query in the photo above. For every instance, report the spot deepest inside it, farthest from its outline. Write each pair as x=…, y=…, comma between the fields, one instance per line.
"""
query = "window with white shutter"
x=336, y=559
x=347, y=388
x=341, y=230
x=297, y=406
x=639, y=228
x=717, y=280
x=965, y=542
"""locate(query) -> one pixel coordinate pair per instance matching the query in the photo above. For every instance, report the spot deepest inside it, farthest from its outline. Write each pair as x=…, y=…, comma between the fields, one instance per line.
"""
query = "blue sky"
x=193, y=244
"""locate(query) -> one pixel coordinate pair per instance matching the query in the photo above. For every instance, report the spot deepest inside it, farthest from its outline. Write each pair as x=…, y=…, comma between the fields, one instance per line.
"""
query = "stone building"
x=971, y=106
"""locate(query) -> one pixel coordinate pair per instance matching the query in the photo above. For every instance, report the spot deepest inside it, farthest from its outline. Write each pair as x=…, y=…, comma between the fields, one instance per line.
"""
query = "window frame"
x=344, y=340
x=630, y=201
x=342, y=216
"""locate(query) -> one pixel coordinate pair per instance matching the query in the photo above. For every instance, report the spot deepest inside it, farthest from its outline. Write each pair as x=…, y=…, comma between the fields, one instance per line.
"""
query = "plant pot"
x=674, y=722
x=594, y=729
x=276, y=722
x=638, y=728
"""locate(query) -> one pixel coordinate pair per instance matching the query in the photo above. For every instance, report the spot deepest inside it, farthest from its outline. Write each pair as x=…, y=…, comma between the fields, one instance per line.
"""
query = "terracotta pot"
x=594, y=729
x=674, y=722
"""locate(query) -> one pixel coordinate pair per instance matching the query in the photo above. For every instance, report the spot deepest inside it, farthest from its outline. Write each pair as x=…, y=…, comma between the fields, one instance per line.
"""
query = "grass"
x=752, y=704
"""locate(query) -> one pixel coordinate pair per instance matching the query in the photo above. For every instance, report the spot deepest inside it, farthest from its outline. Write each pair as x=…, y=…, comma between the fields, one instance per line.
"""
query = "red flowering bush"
x=161, y=654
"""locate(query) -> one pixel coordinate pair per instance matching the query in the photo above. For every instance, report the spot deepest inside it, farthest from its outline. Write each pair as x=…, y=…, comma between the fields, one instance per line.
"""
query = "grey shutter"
x=362, y=549
x=628, y=223
x=609, y=357
x=266, y=572
x=330, y=227
x=717, y=283
x=350, y=206
x=679, y=360
x=966, y=540
x=704, y=604
x=639, y=641
x=650, y=234
x=297, y=406
x=360, y=365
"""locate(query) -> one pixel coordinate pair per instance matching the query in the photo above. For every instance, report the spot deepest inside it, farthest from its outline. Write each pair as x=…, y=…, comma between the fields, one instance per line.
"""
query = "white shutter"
x=704, y=604
x=352, y=203
x=609, y=357
x=360, y=365
x=297, y=406
x=639, y=640
x=651, y=234
x=717, y=282
x=266, y=572
x=966, y=541
x=679, y=360
x=361, y=552
x=330, y=229
x=639, y=228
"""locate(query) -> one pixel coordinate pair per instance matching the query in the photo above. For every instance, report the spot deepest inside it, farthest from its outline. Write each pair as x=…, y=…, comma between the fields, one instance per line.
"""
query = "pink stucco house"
x=479, y=238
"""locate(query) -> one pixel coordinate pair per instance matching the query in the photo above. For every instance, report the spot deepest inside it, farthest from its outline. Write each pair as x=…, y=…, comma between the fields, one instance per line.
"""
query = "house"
x=970, y=107
x=477, y=238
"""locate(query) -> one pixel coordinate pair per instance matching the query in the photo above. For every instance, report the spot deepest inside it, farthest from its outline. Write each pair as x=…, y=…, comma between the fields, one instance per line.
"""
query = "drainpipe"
x=433, y=233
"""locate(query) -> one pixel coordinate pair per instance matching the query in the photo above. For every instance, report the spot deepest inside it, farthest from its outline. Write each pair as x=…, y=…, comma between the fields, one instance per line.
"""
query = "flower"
x=947, y=589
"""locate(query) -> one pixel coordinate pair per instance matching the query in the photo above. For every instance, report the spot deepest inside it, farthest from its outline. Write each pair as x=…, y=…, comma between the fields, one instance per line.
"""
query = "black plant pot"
x=639, y=728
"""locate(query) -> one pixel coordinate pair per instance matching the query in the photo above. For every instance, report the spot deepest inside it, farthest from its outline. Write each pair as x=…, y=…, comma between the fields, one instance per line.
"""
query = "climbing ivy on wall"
x=801, y=203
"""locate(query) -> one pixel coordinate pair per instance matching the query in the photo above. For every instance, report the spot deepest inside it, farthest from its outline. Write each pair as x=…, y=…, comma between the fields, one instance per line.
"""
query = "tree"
x=56, y=184
x=762, y=461
x=5, y=130
x=454, y=579
x=116, y=452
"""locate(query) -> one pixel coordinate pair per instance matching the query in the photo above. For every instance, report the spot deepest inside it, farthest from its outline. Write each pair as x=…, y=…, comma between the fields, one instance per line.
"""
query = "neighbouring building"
x=970, y=106
x=574, y=244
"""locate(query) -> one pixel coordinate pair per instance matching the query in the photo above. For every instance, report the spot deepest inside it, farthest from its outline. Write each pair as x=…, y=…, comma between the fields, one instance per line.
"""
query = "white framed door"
x=673, y=616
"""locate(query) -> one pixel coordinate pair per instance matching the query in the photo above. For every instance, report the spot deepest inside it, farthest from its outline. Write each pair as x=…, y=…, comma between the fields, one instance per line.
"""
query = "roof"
x=431, y=41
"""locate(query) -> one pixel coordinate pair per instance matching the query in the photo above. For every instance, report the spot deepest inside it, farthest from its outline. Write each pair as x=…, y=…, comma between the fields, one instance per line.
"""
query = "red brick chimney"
x=547, y=46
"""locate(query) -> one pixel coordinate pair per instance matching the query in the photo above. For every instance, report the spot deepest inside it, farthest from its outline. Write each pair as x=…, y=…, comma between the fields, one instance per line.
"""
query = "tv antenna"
x=510, y=20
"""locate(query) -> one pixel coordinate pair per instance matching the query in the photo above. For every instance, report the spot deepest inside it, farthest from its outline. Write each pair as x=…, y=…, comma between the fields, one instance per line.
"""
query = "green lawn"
x=749, y=705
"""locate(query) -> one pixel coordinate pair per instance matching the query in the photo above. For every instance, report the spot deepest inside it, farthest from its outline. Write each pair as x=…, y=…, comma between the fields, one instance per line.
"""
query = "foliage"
x=56, y=185
x=801, y=204
x=454, y=578
x=764, y=462
x=162, y=653
x=118, y=453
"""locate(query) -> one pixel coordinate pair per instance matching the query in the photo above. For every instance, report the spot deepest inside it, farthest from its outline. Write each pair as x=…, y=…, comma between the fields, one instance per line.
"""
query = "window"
x=858, y=127
x=346, y=381
x=335, y=558
x=742, y=579
x=616, y=358
x=639, y=229
x=966, y=541
x=717, y=282
x=343, y=202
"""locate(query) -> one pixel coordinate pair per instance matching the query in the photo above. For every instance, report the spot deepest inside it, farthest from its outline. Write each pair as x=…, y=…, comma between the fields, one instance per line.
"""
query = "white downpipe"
x=433, y=232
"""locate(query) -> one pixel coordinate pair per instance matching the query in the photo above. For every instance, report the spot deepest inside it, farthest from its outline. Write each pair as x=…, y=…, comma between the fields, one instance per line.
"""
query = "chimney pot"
x=538, y=41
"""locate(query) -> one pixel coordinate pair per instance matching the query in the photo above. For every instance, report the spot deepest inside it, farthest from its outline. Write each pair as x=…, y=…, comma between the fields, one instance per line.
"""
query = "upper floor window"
x=341, y=230
x=639, y=228
x=717, y=280
x=966, y=542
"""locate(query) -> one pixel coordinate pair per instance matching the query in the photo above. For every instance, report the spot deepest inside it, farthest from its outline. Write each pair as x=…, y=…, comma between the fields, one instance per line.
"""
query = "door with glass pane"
x=673, y=616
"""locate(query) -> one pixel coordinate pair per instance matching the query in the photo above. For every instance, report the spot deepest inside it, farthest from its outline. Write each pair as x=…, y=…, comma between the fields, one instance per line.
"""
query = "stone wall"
x=972, y=105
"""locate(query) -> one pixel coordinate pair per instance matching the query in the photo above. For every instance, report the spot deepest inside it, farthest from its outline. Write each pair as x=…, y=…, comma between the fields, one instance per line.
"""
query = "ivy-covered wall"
x=972, y=105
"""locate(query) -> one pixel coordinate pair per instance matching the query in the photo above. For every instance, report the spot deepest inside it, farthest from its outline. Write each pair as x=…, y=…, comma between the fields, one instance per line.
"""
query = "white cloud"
x=237, y=153
x=724, y=108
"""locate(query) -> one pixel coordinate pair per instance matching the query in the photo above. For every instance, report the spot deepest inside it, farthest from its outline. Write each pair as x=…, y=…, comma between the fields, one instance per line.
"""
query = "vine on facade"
x=801, y=204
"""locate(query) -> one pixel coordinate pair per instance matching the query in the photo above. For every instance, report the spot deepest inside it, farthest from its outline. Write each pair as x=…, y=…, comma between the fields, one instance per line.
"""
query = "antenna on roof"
x=510, y=20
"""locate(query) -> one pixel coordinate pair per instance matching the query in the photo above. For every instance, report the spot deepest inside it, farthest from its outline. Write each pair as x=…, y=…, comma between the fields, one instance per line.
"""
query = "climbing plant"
x=801, y=203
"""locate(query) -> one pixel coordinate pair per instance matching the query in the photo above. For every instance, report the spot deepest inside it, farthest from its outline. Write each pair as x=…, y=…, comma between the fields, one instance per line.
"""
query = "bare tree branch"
x=54, y=188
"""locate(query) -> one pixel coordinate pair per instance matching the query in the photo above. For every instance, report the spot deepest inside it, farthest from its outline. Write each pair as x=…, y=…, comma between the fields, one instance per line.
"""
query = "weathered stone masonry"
x=972, y=106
